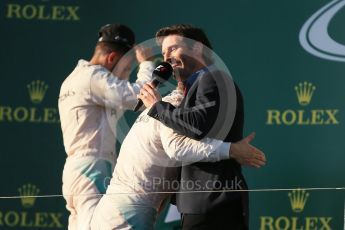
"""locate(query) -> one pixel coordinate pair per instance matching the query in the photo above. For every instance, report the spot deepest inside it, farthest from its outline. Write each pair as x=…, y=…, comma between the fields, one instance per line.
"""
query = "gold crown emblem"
x=37, y=89
x=298, y=199
x=28, y=193
x=304, y=92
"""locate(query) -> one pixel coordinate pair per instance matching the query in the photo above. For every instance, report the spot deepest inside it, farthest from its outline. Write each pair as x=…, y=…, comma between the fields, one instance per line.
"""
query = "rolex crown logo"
x=298, y=199
x=304, y=92
x=37, y=89
x=28, y=193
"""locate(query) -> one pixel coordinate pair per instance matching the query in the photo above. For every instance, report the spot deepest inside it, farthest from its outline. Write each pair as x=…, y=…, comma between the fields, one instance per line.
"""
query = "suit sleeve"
x=192, y=121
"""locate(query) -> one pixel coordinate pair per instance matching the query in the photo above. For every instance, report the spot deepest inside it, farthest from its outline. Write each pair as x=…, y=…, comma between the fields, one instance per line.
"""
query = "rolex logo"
x=28, y=193
x=297, y=221
x=304, y=92
x=37, y=89
x=298, y=199
x=312, y=116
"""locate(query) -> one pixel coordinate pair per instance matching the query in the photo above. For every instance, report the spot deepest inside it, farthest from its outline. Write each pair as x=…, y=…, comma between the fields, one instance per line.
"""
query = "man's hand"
x=246, y=154
x=149, y=95
x=143, y=53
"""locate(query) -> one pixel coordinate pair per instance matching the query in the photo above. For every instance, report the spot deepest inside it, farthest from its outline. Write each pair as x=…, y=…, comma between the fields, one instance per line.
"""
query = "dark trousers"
x=224, y=218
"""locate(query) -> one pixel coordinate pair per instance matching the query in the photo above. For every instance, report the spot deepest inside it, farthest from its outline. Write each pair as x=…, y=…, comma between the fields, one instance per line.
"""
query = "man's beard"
x=180, y=75
x=189, y=63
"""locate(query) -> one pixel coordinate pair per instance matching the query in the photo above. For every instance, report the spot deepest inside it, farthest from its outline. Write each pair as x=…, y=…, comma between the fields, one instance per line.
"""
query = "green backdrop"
x=292, y=80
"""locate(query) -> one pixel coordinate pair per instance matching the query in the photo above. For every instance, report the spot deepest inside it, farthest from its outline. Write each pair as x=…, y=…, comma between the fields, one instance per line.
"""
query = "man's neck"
x=196, y=70
x=95, y=60
x=199, y=66
x=98, y=59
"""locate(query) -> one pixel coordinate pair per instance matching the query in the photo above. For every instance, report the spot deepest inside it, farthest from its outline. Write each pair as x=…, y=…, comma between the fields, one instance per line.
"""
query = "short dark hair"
x=108, y=47
x=187, y=31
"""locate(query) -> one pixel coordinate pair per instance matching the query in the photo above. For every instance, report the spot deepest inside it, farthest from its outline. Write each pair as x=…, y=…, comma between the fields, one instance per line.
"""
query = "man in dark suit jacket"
x=212, y=107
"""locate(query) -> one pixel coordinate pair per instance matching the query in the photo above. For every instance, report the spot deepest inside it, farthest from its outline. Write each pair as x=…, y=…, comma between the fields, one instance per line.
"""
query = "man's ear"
x=112, y=57
x=198, y=47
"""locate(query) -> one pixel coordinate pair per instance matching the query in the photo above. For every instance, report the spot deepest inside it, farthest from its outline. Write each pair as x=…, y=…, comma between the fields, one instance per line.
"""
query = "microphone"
x=161, y=74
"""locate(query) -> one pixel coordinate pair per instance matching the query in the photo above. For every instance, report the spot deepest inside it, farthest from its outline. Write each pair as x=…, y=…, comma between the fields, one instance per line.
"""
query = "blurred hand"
x=246, y=154
x=180, y=86
x=143, y=53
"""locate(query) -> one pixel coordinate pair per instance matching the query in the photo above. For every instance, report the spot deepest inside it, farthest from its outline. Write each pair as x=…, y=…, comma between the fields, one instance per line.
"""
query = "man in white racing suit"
x=147, y=171
x=92, y=99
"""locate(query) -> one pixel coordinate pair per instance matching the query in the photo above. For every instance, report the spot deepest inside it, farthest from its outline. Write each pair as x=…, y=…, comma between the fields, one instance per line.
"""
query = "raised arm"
x=110, y=91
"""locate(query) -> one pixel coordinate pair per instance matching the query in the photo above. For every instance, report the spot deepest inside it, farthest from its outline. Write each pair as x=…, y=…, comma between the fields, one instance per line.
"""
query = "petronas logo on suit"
x=306, y=112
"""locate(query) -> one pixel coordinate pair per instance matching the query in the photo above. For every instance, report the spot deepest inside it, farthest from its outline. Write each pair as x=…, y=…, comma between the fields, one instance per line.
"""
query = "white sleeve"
x=108, y=90
x=185, y=149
